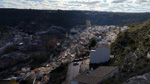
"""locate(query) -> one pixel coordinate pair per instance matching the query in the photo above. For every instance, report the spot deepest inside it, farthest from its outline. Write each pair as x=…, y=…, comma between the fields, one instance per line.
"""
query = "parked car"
x=75, y=63
x=85, y=57
x=80, y=59
x=75, y=60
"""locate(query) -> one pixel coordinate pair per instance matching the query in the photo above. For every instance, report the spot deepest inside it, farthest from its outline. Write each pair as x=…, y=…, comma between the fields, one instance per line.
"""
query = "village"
x=75, y=50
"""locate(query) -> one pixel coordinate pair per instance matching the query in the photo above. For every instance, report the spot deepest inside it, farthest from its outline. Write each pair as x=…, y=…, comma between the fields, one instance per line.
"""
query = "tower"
x=88, y=23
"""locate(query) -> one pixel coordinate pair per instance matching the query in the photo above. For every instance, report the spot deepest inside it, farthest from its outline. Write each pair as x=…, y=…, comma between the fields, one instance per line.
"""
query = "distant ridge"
x=66, y=19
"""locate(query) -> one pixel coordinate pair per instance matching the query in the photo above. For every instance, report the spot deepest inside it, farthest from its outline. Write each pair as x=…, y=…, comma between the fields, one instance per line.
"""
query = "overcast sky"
x=97, y=5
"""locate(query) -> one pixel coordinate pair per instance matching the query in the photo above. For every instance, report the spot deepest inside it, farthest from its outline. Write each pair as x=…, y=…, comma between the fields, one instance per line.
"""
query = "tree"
x=132, y=26
x=92, y=43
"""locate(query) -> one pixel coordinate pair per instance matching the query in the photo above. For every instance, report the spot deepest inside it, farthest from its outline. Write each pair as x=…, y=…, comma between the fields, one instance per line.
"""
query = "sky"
x=91, y=5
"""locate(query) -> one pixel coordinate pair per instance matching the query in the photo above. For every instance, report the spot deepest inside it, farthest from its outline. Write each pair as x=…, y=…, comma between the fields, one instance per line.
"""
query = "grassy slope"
x=131, y=43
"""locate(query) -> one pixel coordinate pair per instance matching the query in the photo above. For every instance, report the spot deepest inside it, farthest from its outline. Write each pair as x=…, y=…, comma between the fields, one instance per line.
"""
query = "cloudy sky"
x=97, y=5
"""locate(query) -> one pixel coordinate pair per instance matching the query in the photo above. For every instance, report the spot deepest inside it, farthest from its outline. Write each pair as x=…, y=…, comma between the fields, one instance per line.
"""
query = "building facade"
x=100, y=55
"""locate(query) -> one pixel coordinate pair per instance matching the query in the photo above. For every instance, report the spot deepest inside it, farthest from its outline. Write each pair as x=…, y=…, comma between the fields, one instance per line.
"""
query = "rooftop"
x=95, y=76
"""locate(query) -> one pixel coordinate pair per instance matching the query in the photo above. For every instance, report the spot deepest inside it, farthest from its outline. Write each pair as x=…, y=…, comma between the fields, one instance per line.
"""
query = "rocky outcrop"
x=141, y=79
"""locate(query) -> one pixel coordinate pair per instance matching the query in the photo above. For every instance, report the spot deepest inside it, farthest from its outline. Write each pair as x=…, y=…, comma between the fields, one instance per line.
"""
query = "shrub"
x=92, y=43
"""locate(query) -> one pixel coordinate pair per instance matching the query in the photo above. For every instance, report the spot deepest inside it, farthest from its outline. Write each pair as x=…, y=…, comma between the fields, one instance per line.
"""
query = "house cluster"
x=75, y=43
x=38, y=75
x=41, y=74
x=104, y=35
x=78, y=40
x=24, y=43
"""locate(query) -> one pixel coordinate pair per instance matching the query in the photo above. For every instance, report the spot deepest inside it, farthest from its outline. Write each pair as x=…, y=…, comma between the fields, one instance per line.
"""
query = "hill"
x=131, y=51
x=38, y=20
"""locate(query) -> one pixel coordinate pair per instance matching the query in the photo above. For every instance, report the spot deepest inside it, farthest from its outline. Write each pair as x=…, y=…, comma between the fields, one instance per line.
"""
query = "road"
x=73, y=71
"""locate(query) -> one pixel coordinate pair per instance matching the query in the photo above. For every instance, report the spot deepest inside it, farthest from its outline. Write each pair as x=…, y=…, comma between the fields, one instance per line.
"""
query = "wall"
x=102, y=54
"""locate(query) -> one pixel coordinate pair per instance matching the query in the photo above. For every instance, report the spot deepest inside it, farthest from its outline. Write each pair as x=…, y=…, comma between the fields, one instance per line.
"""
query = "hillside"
x=131, y=51
x=38, y=20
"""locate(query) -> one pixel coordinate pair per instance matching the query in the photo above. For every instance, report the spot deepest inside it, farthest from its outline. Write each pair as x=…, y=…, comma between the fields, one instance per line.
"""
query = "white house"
x=124, y=28
x=100, y=55
x=26, y=69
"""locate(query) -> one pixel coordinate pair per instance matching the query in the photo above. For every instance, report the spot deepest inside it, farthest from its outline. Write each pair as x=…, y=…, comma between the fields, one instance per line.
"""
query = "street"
x=74, y=70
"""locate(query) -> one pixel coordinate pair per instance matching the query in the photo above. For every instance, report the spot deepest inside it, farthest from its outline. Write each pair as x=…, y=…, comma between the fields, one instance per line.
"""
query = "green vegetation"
x=92, y=43
x=132, y=26
x=130, y=50
x=85, y=53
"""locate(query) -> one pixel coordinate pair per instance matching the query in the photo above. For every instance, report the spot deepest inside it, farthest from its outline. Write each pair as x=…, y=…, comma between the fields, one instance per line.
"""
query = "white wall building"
x=124, y=28
x=26, y=69
x=100, y=55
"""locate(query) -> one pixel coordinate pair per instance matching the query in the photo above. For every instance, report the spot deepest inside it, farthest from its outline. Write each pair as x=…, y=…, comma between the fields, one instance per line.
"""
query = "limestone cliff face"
x=17, y=47
x=131, y=50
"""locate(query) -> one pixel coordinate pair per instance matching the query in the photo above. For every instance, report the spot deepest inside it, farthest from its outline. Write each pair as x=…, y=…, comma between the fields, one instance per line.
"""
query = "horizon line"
x=71, y=10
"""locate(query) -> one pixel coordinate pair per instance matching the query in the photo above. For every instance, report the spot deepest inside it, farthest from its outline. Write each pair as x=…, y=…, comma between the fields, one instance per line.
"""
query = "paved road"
x=73, y=71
